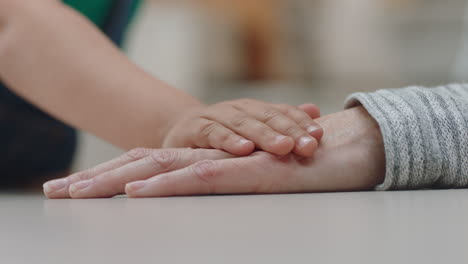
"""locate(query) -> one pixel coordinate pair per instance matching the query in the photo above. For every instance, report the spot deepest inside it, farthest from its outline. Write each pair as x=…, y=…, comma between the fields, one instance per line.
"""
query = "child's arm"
x=59, y=61
x=56, y=59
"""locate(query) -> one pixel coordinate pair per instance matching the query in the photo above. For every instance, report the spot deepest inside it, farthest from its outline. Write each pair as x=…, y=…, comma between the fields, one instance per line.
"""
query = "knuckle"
x=206, y=129
x=240, y=120
x=81, y=176
x=136, y=153
x=271, y=114
x=304, y=118
x=163, y=159
x=224, y=137
x=239, y=104
x=206, y=171
x=294, y=112
x=284, y=108
x=294, y=131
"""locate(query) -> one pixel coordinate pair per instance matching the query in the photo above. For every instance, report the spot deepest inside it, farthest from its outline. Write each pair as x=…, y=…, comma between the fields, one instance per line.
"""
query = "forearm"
x=56, y=59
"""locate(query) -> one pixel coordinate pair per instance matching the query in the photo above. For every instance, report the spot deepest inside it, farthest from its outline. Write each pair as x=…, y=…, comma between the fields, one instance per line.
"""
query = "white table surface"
x=369, y=227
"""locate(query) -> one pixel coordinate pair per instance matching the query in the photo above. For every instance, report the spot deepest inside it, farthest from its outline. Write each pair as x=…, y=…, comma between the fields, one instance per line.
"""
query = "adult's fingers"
x=112, y=182
x=56, y=189
x=228, y=176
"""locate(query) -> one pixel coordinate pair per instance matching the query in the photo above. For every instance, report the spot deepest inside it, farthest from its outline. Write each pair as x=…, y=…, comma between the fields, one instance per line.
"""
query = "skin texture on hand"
x=240, y=126
x=350, y=158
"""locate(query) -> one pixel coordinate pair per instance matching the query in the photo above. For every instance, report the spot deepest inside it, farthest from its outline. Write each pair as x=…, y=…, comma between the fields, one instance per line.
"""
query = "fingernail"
x=280, y=138
x=313, y=128
x=135, y=186
x=55, y=185
x=303, y=141
x=80, y=185
x=243, y=141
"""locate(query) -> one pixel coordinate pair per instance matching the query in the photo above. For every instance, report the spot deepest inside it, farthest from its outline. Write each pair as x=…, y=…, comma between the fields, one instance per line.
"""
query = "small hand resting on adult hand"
x=240, y=126
x=349, y=158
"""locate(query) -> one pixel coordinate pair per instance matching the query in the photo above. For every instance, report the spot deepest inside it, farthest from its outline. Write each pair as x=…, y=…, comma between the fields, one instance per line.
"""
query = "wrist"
x=355, y=136
x=178, y=119
x=370, y=138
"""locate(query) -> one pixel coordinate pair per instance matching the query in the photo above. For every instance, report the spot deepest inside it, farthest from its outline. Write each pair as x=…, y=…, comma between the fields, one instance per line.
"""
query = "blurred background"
x=291, y=51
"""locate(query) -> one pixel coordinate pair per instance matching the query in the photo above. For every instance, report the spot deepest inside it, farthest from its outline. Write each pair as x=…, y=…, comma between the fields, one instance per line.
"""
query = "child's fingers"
x=304, y=144
x=303, y=119
x=312, y=110
x=214, y=135
x=159, y=161
x=250, y=128
x=58, y=189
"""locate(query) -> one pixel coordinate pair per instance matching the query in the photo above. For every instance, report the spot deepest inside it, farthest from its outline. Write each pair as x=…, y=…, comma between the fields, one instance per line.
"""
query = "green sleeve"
x=96, y=11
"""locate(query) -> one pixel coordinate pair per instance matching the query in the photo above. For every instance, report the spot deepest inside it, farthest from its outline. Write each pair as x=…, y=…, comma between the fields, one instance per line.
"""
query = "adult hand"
x=108, y=179
x=350, y=158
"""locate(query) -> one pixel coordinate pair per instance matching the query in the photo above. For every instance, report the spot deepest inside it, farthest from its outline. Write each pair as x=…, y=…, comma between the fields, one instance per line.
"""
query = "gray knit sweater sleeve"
x=425, y=134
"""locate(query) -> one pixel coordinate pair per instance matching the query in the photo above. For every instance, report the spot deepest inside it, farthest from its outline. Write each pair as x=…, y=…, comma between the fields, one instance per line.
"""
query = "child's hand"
x=240, y=126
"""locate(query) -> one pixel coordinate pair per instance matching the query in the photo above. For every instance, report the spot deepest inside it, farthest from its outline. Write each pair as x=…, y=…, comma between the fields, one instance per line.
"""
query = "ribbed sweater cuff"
x=425, y=135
